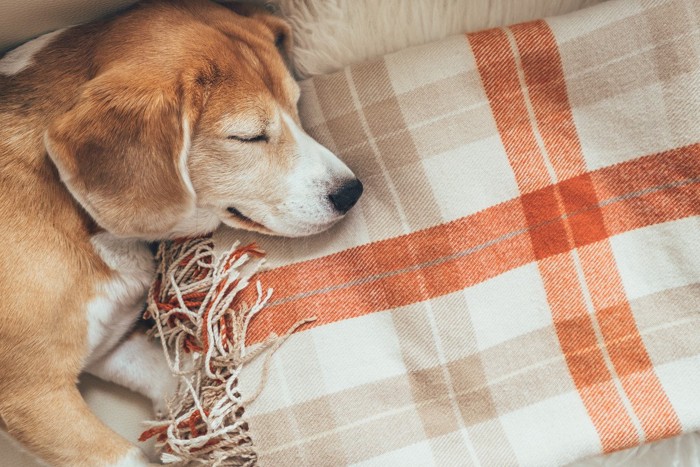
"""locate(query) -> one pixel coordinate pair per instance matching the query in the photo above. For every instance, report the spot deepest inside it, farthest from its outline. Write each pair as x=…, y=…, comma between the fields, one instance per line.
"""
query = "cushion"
x=520, y=283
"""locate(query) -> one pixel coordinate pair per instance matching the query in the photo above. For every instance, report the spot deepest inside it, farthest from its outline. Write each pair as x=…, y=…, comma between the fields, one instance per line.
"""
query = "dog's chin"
x=278, y=228
x=306, y=231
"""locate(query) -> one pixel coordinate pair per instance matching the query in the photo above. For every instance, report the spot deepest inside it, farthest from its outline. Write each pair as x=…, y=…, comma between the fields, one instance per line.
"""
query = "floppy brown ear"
x=121, y=151
x=283, y=37
x=280, y=29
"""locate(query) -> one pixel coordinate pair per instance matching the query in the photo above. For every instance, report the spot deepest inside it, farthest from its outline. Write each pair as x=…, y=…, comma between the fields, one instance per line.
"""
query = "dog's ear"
x=122, y=152
x=268, y=15
x=282, y=33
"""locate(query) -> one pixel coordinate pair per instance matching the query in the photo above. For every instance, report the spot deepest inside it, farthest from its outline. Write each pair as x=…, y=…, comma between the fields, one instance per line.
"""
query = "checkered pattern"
x=520, y=283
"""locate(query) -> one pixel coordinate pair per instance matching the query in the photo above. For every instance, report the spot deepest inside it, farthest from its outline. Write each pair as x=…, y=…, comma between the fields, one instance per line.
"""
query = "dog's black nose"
x=346, y=196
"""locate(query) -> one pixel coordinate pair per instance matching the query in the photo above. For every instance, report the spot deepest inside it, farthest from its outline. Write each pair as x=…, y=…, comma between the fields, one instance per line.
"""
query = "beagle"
x=164, y=121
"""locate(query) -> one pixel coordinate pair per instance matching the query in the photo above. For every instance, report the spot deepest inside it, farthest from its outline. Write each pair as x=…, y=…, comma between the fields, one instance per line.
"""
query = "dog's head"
x=191, y=120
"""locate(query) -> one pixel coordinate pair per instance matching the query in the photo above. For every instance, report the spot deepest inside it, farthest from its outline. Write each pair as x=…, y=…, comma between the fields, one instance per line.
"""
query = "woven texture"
x=520, y=283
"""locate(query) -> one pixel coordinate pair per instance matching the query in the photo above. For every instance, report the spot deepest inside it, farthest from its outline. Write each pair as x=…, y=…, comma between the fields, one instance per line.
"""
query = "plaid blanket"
x=520, y=283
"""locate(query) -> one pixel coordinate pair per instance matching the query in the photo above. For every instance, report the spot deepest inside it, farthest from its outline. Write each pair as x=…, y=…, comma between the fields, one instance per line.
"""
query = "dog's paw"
x=134, y=458
x=160, y=409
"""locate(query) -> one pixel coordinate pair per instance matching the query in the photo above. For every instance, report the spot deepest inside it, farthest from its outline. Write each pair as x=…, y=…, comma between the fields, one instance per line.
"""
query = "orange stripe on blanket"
x=655, y=207
x=579, y=344
x=544, y=78
x=398, y=253
x=499, y=75
x=672, y=173
x=624, y=344
x=552, y=245
x=367, y=294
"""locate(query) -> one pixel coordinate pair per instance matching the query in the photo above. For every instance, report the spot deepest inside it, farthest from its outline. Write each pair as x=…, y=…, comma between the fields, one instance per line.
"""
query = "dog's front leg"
x=138, y=363
x=54, y=423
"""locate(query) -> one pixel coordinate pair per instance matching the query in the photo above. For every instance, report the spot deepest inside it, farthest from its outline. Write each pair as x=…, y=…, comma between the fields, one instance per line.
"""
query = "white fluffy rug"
x=330, y=34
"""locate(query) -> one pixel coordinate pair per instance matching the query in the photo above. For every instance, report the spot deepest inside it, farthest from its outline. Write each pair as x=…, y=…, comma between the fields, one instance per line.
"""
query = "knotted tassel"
x=203, y=330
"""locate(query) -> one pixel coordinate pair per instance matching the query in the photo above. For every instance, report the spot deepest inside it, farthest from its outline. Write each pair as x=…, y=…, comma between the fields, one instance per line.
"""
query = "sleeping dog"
x=164, y=121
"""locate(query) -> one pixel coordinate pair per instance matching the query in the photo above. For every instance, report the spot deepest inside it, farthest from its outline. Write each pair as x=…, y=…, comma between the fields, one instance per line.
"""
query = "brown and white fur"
x=164, y=121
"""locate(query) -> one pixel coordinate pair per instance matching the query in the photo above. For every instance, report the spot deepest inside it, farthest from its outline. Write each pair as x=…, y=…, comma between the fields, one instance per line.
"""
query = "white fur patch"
x=182, y=159
x=317, y=165
x=200, y=222
x=119, y=301
x=314, y=153
x=134, y=458
x=22, y=57
x=138, y=363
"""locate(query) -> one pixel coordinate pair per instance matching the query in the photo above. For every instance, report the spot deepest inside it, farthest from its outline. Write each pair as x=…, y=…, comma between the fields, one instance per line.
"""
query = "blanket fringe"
x=202, y=329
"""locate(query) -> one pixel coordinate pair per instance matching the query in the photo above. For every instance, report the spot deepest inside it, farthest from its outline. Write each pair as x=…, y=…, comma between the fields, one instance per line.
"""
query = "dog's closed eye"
x=261, y=138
